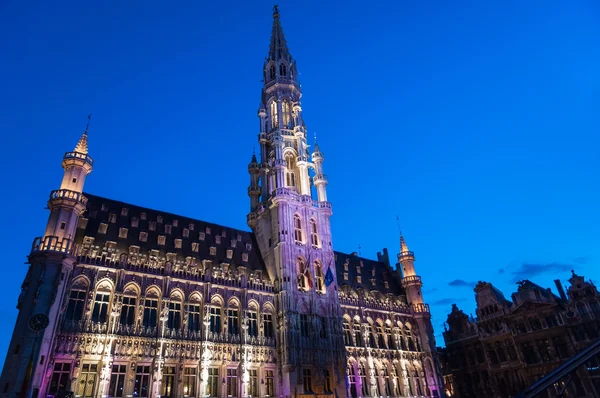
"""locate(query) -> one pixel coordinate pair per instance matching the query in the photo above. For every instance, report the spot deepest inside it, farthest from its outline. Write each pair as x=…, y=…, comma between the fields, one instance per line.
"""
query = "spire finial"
x=398, y=224
x=275, y=10
x=278, y=47
x=87, y=126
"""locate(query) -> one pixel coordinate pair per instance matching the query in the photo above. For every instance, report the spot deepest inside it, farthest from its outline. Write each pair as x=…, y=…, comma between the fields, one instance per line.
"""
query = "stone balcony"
x=52, y=244
x=411, y=280
x=66, y=195
x=420, y=308
x=78, y=155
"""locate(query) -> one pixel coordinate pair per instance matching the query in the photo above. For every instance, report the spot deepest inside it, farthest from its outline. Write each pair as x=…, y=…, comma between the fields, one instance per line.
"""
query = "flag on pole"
x=328, y=277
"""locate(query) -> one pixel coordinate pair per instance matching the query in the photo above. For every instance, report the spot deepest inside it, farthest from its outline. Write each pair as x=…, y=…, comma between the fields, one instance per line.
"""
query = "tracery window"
x=272, y=72
x=189, y=381
x=269, y=383
x=274, y=116
x=76, y=305
x=86, y=380
x=357, y=335
x=304, y=280
x=253, y=382
x=150, y=312
x=319, y=278
x=100, y=311
x=268, y=325
x=128, y=311
x=363, y=380
x=290, y=173
x=232, y=382
x=60, y=377
x=194, y=317
x=233, y=321
x=307, y=380
x=314, y=236
x=215, y=320
x=282, y=69
x=286, y=114
x=117, y=380
x=174, y=319
x=212, y=388
x=380, y=337
x=297, y=229
x=347, y=334
x=390, y=338
x=252, y=323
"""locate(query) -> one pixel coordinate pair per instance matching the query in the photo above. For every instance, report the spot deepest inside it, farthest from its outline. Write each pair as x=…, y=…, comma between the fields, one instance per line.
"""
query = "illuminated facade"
x=146, y=303
x=512, y=344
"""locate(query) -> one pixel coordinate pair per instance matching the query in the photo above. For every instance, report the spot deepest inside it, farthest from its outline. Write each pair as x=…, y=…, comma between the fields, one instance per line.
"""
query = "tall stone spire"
x=278, y=48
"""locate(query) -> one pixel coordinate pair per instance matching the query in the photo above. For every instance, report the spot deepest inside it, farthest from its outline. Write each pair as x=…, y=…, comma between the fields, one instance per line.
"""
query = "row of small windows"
x=378, y=337
x=150, y=317
x=88, y=382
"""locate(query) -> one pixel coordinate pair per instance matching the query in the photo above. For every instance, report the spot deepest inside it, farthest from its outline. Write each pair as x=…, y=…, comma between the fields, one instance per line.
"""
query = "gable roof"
x=206, y=235
x=383, y=273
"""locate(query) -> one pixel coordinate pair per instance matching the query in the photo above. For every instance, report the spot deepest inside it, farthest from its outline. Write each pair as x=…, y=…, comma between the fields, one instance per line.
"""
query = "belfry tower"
x=42, y=295
x=293, y=231
x=411, y=282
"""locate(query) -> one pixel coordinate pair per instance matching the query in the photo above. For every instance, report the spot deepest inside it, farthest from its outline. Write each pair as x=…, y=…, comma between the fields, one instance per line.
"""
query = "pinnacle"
x=82, y=144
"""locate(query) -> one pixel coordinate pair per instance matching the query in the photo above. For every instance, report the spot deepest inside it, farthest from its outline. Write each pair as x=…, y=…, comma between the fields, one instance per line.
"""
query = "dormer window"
x=233, y=243
x=213, y=251
x=186, y=233
x=134, y=222
x=123, y=233
x=143, y=215
x=202, y=235
x=102, y=228
x=229, y=253
x=207, y=230
x=124, y=211
x=218, y=240
x=248, y=246
x=167, y=229
x=191, y=226
x=245, y=257
x=104, y=207
x=143, y=236
x=175, y=223
x=161, y=240
x=195, y=247
x=152, y=226
x=112, y=218
x=178, y=243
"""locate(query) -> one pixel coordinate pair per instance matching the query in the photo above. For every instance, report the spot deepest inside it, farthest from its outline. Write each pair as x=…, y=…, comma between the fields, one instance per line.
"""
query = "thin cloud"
x=461, y=283
x=580, y=260
x=449, y=300
x=432, y=290
x=529, y=270
x=501, y=271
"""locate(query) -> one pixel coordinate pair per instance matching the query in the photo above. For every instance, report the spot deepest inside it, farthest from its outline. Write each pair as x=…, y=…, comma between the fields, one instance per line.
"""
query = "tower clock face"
x=38, y=322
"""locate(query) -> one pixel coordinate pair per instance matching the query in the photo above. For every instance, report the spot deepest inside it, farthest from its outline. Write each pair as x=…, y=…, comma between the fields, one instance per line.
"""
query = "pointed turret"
x=403, y=246
x=82, y=144
x=278, y=48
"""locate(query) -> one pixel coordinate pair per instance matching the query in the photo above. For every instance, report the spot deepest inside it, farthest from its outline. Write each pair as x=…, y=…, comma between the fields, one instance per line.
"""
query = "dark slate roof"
x=383, y=272
x=99, y=211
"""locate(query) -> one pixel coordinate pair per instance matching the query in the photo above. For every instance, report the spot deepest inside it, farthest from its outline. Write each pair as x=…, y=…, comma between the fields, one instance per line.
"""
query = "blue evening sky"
x=475, y=122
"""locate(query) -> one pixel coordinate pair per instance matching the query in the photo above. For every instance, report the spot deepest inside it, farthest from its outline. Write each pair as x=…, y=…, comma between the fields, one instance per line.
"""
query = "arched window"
x=319, y=277
x=352, y=380
x=215, y=317
x=194, y=313
x=290, y=174
x=272, y=72
x=128, y=311
x=380, y=337
x=252, y=321
x=267, y=316
x=76, y=303
x=286, y=114
x=363, y=380
x=314, y=236
x=233, y=320
x=357, y=334
x=274, y=118
x=174, y=319
x=150, y=309
x=304, y=280
x=390, y=338
x=347, y=334
x=297, y=229
x=101, y=303
x=282, y=69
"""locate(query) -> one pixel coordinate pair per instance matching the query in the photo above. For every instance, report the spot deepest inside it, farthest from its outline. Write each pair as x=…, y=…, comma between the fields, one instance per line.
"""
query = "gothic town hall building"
x=125, y=301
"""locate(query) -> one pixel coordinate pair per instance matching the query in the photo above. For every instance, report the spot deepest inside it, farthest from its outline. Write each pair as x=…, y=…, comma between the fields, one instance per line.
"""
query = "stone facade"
x=512, y=344
x=146, y=303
